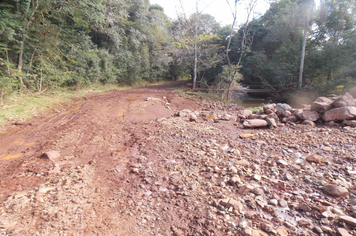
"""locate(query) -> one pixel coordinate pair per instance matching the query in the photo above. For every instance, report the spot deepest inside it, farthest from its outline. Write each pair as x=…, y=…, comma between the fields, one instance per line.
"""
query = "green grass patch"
x=255, y=109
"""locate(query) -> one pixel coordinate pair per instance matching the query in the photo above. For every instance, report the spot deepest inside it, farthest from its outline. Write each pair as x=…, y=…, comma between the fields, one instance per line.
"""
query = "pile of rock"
x=322, y=109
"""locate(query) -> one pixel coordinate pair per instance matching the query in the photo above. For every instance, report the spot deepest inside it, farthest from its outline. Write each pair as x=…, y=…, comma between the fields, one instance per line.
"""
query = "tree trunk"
x=234, y=14
x=195, y=47
x=301, y=69
x=19, y=66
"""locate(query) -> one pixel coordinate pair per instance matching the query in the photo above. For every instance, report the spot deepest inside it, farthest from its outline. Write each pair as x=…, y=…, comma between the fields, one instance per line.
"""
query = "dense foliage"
x=330, y=46
x=48, y=44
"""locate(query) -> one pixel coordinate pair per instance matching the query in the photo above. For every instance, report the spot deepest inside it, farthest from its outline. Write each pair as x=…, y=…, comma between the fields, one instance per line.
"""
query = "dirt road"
x=120, y=164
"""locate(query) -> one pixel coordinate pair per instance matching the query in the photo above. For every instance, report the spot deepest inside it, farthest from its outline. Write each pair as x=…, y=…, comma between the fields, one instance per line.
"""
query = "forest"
x=51, y=44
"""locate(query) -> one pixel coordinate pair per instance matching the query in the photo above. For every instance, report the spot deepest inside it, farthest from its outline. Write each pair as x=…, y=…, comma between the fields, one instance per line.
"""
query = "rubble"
x=201, y=172
x=321, y=110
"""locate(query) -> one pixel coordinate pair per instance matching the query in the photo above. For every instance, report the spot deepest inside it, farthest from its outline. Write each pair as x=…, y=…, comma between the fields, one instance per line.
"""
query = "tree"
x=246, y=41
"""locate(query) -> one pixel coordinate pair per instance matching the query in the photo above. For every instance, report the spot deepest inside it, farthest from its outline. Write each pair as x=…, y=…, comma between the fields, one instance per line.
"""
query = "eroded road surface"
x=124, y=164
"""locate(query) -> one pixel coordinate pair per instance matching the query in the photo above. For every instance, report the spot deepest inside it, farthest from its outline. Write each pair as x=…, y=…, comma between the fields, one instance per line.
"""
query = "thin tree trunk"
x=19, y=67
x=2, y=97
x=195, y=46
x=30, y=64
x=8, y=62
x=301, y=69
x=234, y=14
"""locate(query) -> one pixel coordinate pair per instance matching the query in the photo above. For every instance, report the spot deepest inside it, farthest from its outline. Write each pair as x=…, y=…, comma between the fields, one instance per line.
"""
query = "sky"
x=217, y=8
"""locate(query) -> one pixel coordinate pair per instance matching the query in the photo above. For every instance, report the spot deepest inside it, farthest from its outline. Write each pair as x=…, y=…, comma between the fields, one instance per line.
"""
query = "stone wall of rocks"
x=328, y=110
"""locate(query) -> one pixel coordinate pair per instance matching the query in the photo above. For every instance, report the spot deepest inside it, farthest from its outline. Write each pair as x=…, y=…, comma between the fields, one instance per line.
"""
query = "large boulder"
x=321, y=104
x=308, y=115
x=353, y=92
x=255, y=123
x=345, y=100
x=243, y=114
x=340, y=114
x=269, y=108
x=282, y=107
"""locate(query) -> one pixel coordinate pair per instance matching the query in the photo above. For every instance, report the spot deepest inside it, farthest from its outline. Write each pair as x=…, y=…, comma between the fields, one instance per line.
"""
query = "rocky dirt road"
x=121, y=164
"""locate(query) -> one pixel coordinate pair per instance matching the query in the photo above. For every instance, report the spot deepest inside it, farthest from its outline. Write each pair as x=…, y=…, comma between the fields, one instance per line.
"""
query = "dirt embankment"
x=120, y=164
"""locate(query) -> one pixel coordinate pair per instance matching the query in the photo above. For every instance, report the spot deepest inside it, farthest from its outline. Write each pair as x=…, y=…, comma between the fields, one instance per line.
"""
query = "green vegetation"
x=255, y=109
x=53, y=45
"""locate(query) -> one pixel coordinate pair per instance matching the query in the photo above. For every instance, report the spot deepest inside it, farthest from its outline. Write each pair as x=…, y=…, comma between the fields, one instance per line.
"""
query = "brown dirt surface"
x=124, y=163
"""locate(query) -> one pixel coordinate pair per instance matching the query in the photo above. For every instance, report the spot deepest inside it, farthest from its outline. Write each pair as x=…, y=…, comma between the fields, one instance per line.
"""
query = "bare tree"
x=196, y=24
x=307, y=9
x=195, y=44
x=246, y=41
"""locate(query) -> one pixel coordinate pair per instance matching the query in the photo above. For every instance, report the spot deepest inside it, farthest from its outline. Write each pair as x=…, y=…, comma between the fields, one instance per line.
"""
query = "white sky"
x=217, y=8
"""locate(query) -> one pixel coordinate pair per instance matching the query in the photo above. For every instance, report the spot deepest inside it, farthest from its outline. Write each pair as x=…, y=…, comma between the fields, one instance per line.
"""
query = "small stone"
x=303, y=222
x=193, y=118
x=304, y=207
x=315, y=158
x=267, y=227
x=51, y=155
x=343, y=232
x=328, y=215
x=309, y=122
x=282, y=162
x=257, y=191
x=348, y=220
x=253, y=232
x=153, y=99
x=255, y=123
x=335, y=190
x=282, y=185
x=337, y=211
x=226, y=117
x=257, y=177
x=245, y=189
x=282, y=231
x=243, y=224
x=324, y=221
x=233, y=170
x=242, y=163
x=235, y=180
x=184, y=113
x=237, y=205
x=273, y=202
x=283, y=203
x=318, y=230
x=210, y=117
x=326, y=229
x=329, y=149
x=351, y=123
x=246, y=135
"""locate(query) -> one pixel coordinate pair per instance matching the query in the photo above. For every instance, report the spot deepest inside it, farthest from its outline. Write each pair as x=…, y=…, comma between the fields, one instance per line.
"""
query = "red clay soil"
x=104, y=132
x=121, y=164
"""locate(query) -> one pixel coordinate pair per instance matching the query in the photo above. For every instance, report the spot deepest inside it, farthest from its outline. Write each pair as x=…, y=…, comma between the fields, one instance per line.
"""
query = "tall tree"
x=245, y=40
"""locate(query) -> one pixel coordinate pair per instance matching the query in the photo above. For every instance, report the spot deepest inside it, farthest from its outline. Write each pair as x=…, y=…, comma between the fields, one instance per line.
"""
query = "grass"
x=255, y=109
x=23, y=106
